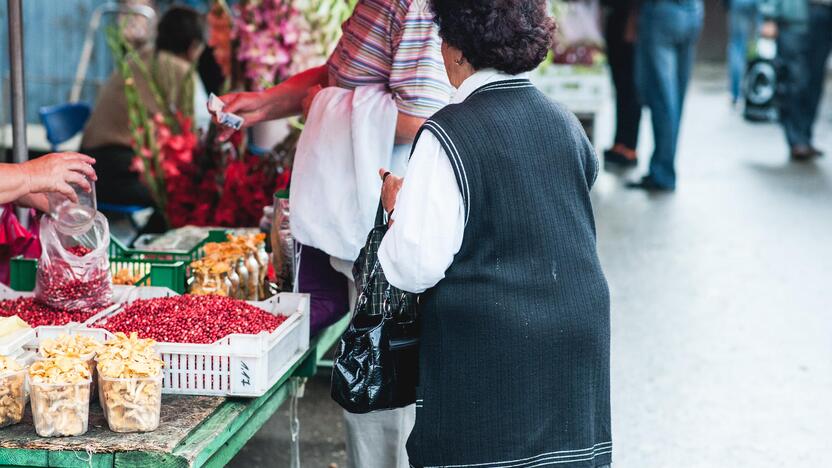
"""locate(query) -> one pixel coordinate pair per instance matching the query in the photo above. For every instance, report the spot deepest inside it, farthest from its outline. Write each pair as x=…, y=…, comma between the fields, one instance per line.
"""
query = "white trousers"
x=377, y=440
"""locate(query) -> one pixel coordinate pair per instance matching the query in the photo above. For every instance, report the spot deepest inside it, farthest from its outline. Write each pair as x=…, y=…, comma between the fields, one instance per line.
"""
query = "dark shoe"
x=815, y=151
x=611, y=156
x=647, y=183
x=802, y=153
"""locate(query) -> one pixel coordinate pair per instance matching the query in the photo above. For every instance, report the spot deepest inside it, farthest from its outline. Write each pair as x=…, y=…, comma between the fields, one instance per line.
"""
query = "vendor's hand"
x=769, y=29
x=252, y=107
x=389, y=189
x=56, y=171
x=307, y=101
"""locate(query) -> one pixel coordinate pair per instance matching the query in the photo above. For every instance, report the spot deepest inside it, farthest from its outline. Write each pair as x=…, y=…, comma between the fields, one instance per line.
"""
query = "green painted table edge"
x=211, y=444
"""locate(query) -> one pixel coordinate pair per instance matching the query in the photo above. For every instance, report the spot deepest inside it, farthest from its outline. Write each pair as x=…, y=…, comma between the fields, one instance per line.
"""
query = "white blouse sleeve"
x=429, y=221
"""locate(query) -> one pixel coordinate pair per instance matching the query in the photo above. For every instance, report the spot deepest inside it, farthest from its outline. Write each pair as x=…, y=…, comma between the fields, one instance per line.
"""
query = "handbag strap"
x=379, y=214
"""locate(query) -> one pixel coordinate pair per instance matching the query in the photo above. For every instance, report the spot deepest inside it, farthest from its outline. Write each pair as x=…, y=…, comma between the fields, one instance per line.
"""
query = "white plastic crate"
x=119, y=292
x=237, y=365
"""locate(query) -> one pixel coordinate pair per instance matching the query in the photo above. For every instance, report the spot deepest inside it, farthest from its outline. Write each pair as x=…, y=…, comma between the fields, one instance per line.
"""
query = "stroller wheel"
x=761, y=84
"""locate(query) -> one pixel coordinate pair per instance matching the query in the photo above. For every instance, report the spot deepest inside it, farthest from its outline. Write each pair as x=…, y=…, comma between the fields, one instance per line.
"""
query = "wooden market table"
x=194, y=431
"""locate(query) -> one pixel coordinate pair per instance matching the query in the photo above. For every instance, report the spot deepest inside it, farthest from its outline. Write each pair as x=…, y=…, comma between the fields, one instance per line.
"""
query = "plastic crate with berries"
x=211, y=345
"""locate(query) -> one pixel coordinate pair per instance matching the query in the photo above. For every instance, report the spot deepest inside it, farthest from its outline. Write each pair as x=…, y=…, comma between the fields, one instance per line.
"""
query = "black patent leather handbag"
x=377, y=362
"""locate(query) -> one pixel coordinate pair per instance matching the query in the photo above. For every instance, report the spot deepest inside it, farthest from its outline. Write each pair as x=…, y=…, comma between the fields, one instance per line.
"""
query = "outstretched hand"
x=57, y=172
x=251, y=106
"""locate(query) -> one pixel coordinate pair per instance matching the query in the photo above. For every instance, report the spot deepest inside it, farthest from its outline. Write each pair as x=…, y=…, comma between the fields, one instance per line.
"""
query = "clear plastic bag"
x=283, y=245
x=74, y=268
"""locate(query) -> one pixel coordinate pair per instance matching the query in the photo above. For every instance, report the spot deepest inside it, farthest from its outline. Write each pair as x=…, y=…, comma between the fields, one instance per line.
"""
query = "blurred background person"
x=743, y=19
x=107, y=137
x=803, y=30
x=620, y=36
x=667, y=34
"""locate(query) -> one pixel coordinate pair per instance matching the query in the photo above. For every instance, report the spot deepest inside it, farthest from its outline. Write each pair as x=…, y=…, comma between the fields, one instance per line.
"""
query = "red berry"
x=36, y=314
x=190, y=319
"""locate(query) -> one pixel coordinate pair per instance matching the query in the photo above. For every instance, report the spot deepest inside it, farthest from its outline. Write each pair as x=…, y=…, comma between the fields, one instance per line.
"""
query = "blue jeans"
x=803, y=50
x=820, y=45
x=668, y=31
x=742, y=24
x=792, y=53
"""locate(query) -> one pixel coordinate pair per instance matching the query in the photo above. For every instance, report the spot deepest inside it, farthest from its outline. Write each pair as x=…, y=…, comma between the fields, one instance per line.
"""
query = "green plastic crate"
x=119, y=250
x=22, y=273
x=152, y=273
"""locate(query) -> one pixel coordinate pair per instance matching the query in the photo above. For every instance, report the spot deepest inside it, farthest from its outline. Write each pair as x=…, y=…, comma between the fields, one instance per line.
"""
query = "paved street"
x=721, y=305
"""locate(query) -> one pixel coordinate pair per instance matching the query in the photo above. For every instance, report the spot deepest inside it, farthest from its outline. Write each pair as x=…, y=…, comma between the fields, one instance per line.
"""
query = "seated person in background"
x=107, y=138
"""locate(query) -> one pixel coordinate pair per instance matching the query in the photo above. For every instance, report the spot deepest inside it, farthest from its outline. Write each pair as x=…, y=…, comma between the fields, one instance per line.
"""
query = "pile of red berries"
x=58, y=286
x=79, y=250
x=190, y=319
x=36, y=314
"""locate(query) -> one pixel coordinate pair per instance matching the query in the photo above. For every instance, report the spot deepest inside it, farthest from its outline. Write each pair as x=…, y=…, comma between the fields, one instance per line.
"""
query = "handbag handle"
x=379, y=214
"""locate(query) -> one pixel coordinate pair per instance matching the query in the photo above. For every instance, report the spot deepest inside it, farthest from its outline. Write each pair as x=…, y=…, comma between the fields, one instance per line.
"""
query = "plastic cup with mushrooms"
x=60, y=396
x=130, y=382
x=12, y=391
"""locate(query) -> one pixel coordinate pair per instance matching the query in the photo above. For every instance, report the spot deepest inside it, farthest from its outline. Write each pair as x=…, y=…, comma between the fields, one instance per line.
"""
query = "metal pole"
x=20, y=148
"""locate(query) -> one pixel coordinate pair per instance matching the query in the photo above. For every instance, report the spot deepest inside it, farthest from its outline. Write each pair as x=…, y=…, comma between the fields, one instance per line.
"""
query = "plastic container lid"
x=13, y=343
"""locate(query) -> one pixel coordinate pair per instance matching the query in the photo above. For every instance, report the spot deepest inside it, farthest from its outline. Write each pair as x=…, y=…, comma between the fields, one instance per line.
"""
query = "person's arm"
x=51, y=173
x=38, y=201
x=428, y=220
x=14, y=183
x=418, y=79
x=407, y=126
x=278, y=102
x=770, y=10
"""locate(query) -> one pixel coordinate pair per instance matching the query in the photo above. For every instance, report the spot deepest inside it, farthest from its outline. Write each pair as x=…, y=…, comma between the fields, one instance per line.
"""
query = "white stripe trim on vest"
x=504, y=86
x=543, y=459
x=507, y=84
x=450, y=147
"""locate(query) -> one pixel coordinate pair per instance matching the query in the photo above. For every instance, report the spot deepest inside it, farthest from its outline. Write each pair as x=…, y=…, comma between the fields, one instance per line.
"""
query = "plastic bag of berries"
x=74, y=266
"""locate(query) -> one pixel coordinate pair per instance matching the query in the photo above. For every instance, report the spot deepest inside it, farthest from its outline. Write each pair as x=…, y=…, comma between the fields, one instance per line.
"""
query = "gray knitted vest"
x=514, y=357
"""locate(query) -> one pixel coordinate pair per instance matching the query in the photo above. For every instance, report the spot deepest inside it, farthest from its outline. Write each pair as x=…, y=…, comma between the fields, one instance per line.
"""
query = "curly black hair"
x=512, y=36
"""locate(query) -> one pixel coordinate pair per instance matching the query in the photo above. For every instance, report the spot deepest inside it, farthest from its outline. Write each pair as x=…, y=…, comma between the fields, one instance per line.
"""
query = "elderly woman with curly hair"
x=493, y=226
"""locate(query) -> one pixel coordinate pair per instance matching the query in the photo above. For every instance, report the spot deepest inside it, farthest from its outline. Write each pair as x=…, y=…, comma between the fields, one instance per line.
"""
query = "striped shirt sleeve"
x=417, y=76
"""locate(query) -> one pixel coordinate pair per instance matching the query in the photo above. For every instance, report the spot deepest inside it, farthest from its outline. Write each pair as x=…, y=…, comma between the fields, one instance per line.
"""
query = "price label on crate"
x=244, y=375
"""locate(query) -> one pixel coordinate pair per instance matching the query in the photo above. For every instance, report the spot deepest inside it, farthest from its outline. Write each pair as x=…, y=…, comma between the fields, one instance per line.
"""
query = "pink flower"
x=267, y=39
